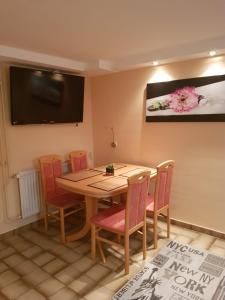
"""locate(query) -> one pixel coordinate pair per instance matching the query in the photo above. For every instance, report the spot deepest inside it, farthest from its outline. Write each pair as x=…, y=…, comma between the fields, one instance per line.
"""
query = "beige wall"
x=118, y=101
x=24, y=144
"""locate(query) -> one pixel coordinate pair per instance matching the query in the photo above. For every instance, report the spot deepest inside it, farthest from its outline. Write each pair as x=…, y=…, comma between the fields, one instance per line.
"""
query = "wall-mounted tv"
x=45, y=97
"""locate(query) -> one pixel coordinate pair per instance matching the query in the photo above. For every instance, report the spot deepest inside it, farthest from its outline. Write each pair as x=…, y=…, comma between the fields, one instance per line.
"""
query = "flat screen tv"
x=45, y=97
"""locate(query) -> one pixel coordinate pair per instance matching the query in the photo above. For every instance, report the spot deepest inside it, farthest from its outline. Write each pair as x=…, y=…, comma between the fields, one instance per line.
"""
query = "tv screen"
x=39, y=96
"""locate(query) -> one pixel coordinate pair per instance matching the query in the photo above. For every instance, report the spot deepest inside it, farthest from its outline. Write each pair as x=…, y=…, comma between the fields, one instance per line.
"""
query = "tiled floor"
x=34, y=265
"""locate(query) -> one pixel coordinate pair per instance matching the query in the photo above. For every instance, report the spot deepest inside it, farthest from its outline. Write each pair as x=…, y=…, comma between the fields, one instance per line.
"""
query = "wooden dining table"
x=94, y=184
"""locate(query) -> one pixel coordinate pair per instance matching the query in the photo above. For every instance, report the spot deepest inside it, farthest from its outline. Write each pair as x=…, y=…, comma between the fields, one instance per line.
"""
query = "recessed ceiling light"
x=212, y=53
x=155, y=63
x=38, y=73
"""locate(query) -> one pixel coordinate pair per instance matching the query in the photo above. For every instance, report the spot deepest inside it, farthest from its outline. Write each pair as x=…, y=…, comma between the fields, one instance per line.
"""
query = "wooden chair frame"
x=60, y=212
x=73, y=154
x=97, y=239
x=163, y=211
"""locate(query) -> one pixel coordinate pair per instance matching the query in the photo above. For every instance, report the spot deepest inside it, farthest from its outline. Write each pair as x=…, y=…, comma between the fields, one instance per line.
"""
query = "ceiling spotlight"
x=155, y=63
x=57, y=76
x=38, y=73
x=212, y=53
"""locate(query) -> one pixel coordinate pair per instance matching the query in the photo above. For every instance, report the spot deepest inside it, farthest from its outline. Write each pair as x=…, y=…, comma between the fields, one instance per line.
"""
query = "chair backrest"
x=137, y=194
x=50, y=167
x=78, y=160
x=163, y=184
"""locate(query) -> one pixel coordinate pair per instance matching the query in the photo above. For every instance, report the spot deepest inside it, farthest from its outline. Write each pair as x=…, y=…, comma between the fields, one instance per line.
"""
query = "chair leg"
x=118, y=238
x=155, y=218
x=168, y=223
x=93, y=242
x=46, y=217
x=144, y=240
x=127, y=254
x=62, y=225
x=101, y=251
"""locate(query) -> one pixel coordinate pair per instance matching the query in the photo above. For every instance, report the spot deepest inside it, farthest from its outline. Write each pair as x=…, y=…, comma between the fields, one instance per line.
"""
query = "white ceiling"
x=109, y=35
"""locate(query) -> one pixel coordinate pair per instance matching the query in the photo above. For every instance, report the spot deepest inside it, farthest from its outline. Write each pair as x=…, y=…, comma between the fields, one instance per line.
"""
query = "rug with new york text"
x=178, y=272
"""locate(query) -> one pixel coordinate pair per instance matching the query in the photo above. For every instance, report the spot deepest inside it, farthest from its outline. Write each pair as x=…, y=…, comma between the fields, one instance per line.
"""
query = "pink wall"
x=198, y=148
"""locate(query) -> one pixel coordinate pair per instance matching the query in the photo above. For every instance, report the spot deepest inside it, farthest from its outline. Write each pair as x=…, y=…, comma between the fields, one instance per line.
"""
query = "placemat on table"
x=133, y=172
x=110, y=183
x=115, y=165
x=81, y=175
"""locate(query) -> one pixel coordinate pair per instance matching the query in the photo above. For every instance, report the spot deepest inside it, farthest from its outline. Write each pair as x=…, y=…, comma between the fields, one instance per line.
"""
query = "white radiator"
x=30, y=195
x=29, y=188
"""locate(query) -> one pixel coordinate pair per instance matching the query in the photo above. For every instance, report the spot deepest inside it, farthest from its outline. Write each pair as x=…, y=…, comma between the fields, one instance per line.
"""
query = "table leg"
x=91, y=210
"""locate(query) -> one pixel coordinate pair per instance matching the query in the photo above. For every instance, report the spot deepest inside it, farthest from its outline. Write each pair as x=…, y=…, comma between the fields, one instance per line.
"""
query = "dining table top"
x=95, y=183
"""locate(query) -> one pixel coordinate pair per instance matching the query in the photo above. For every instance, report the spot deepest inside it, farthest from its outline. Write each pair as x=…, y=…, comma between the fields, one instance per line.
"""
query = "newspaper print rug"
x=178, y=272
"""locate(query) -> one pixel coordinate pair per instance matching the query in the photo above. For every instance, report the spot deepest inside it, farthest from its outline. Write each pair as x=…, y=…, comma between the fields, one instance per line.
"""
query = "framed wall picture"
x=200, y=99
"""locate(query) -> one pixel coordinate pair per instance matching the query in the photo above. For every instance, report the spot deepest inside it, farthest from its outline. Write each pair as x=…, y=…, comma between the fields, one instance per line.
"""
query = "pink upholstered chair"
x=123, y=220
x=60, y=199
x=160, y=202
x=78, y=160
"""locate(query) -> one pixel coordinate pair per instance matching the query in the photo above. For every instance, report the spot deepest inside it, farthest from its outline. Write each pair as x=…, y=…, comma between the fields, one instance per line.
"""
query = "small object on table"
x=109, y=170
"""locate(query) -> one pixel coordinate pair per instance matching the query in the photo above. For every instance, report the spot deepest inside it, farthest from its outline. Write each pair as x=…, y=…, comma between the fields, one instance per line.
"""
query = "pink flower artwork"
x=184, y=99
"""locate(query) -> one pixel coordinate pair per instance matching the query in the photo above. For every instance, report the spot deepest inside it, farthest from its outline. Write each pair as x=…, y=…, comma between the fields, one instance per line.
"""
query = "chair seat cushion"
x=150, y=204
x=111, y=219
x=64, y=199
